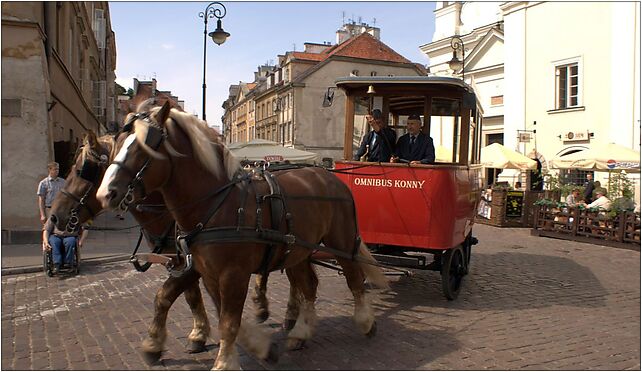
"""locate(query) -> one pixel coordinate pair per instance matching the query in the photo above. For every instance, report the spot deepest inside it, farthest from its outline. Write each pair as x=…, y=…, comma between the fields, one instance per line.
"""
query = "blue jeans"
x=62, y=247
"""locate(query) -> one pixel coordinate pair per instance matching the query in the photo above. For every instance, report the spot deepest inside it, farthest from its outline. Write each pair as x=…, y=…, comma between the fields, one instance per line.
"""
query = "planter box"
x=507, y=209
x=623, y=230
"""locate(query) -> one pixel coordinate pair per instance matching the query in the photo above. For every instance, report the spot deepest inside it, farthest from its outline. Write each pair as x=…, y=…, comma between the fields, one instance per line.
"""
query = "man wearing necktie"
x=414, y=147
x=378, y=145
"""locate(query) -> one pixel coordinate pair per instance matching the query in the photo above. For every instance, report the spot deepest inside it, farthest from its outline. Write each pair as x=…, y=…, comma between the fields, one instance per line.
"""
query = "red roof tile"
x=308, y=56
x=367, y=47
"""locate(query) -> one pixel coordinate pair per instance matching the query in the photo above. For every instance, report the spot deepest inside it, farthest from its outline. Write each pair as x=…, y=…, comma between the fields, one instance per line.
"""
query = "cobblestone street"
x=528, y=303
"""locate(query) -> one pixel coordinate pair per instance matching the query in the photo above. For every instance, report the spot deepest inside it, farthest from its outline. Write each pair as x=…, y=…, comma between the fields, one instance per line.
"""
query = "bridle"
x=88, y=173
x=155, y=136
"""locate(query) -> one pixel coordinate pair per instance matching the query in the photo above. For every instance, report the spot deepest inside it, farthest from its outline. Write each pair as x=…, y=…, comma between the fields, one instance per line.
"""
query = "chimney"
x=353, y=29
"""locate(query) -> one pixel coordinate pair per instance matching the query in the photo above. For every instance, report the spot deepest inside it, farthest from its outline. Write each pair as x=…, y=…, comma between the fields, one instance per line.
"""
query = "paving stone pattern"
x=529, y=303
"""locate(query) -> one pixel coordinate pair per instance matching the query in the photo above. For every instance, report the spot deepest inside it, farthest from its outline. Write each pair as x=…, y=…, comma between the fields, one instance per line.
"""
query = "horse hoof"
x=295, y=344
x=262, y=316
x=273, y=354
x=288, y=324
x=151, y=357
x=196, y=347
x=373, y=330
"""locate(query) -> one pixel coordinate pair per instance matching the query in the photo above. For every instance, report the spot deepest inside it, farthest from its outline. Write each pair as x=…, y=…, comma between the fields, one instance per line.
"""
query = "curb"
x=83, y=262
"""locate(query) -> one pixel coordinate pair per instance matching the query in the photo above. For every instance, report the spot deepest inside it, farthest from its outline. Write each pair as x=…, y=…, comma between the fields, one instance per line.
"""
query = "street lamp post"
x=455, y=64
x=214, y=9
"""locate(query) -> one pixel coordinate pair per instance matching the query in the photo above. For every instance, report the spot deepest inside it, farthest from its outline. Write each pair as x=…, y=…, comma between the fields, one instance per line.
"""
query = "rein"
x=72, y=222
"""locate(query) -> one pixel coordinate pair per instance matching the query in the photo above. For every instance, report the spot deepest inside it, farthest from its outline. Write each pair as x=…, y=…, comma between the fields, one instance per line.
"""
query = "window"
x=373, y=73
x=574, y=176
x=567, y=86
x=354, y=73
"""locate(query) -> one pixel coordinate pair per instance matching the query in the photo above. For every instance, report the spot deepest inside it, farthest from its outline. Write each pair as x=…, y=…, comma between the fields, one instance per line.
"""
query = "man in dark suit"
x=589, y=186
x=414, y=146
x=379, y=144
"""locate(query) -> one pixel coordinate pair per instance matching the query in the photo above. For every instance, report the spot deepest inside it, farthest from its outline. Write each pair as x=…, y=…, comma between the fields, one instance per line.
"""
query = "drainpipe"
x=49, y=23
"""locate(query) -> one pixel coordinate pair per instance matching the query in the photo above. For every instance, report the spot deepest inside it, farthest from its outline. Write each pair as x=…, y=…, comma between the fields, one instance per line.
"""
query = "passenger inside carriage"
x=414, y=147
x=378, y=145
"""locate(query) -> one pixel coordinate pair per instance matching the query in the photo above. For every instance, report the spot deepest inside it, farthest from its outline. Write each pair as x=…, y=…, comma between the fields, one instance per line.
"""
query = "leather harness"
x=272, y=237
x=240, y=233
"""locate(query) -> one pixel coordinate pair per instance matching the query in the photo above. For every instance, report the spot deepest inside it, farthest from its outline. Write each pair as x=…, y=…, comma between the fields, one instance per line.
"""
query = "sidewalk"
x=100, y=246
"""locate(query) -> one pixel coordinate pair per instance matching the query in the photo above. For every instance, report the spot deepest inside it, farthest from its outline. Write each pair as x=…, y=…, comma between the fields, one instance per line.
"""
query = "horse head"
x=146, y=156
x=77, y=203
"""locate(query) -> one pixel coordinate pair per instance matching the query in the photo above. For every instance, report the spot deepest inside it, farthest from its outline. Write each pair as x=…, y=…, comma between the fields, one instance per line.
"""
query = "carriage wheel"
x=453, y=270
x=46, y=263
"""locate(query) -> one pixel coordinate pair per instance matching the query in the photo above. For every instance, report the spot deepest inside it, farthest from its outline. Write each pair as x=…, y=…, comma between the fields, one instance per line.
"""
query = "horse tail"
x=373, y=273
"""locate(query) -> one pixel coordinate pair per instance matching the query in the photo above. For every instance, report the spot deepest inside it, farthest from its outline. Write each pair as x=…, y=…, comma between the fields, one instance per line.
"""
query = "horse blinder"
x=155, y=137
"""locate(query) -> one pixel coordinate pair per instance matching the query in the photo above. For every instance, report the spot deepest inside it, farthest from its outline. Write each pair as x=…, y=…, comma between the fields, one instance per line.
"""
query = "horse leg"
x=165, y=297
x=363, y=312
x=304, y=282
x=230, y=294
x=201, y=330
x=355, y=274
x=260, y=298
x=292, y=312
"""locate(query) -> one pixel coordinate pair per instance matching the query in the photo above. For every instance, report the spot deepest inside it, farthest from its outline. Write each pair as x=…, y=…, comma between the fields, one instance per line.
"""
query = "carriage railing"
x=577, y=223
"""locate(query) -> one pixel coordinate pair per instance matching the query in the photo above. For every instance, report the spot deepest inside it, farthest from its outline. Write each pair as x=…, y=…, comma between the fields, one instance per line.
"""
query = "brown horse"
x=77, y=204
x=169, y=151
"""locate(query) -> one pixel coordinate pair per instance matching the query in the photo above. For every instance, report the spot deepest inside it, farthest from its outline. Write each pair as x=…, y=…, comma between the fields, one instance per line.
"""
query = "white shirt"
x=602, y=203
x=48, y=188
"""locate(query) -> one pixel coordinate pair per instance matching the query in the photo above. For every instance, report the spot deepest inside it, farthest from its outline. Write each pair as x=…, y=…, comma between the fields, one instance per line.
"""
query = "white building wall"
x=624, y=75
x=515, y=76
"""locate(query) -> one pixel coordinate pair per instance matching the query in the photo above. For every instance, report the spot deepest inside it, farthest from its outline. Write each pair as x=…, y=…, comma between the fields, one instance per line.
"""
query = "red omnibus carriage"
x=419, y=209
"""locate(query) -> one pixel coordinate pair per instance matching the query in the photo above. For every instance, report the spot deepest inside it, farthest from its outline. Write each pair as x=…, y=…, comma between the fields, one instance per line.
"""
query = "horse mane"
x=205, y=142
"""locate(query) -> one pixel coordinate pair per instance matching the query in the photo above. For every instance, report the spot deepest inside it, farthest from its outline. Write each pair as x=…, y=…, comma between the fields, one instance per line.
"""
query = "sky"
x=164, y=40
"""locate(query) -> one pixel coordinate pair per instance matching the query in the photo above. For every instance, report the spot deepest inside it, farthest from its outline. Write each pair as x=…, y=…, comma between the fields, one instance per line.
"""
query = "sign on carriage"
x=400, y=184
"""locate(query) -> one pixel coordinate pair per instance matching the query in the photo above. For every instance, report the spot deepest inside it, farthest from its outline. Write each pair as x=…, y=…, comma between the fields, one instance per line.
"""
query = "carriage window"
x=444, y=129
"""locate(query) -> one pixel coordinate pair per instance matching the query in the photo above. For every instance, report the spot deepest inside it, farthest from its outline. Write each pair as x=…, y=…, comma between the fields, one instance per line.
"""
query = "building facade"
x=550, y=81
x=142, y=91
x=288, y=101
x=58, y=62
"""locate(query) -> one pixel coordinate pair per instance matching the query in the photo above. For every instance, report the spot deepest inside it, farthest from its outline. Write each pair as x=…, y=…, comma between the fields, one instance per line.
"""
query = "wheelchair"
x=48, y=265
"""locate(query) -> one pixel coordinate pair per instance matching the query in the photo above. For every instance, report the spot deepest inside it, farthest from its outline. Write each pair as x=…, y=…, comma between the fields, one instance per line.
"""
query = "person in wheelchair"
x=62, y=245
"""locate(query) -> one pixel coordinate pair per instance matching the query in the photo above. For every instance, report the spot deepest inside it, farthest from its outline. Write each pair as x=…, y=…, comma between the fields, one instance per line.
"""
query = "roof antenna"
x=343, y=18
x=374, y=22
x=294, y=47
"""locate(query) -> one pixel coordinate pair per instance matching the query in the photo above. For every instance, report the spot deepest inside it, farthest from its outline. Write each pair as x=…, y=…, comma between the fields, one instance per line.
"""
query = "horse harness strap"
x=159, y=242
x=272, y=237
x=264, y=236
x=277, y=209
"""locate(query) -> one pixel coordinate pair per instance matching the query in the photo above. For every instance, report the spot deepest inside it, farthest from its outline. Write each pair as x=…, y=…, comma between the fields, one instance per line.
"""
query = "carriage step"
x=410, y=261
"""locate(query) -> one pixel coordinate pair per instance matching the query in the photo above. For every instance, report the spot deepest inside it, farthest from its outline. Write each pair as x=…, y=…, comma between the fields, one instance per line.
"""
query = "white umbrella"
x=499, y=156
x=605, y=157
x=260, y=149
